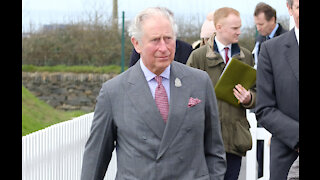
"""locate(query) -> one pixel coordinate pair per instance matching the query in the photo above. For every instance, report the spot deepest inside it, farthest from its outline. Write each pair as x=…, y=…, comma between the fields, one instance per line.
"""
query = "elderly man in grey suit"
x=160, y=115
x=277, y=107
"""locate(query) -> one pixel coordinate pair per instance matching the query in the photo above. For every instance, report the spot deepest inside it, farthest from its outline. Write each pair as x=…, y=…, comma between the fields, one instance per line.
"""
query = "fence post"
x=251, y=163
x=257, y=134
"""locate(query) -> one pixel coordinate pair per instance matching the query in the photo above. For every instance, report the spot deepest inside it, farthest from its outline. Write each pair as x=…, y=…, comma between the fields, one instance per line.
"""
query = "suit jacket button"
x=144, y=137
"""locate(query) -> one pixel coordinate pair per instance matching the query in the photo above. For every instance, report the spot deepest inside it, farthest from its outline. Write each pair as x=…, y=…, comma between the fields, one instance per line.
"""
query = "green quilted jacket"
x=234, y=125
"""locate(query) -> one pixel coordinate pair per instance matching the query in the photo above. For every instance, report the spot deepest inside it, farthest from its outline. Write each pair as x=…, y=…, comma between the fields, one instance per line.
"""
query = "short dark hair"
x=268, y=11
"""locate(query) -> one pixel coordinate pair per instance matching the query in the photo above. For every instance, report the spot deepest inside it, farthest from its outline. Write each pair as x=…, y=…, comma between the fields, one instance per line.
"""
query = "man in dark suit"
x=265, y=18
x=183, y=50
x=277, y=107
x=161, y=116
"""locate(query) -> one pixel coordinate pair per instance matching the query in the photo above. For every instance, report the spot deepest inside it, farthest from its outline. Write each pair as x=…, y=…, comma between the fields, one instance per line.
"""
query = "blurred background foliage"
x=95, y=42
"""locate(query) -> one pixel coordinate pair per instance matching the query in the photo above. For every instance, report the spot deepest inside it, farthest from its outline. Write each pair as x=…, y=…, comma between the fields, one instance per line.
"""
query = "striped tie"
x=161, y=99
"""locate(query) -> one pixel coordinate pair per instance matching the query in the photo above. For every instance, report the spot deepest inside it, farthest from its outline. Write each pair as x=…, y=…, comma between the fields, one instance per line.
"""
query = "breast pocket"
x=195, y=113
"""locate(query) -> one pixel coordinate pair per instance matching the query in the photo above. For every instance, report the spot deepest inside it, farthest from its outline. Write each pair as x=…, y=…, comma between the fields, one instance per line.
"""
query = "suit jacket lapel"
x=140, y=95
x=292, y=53
x=179, y=97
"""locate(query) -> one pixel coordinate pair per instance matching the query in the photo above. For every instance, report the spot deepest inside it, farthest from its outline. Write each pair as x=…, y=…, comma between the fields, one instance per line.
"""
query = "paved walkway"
x=242, y=175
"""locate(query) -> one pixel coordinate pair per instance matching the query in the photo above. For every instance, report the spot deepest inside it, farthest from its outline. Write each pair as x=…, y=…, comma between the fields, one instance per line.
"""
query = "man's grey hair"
x=290, y=3
x=135, y=28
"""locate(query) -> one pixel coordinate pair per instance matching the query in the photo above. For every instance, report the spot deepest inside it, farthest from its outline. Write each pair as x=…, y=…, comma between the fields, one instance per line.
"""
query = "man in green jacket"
x=212, y=58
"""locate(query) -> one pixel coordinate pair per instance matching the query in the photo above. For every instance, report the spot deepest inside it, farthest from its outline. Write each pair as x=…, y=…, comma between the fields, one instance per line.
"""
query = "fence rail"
x=55, y=153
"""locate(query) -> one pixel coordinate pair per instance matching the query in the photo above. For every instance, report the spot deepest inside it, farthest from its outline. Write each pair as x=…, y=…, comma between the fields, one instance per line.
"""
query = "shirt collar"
x=150, y=75
x=273, y=32
x=221, y=46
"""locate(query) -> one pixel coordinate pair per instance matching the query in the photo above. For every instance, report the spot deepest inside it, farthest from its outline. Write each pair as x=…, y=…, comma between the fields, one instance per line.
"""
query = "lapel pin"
x=177, y=82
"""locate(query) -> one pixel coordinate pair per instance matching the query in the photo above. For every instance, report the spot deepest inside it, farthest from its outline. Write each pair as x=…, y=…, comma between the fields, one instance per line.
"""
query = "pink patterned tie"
x=161, y=99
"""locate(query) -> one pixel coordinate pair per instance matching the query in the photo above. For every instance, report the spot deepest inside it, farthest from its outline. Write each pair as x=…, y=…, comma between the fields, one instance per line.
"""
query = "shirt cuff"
x=252, y=102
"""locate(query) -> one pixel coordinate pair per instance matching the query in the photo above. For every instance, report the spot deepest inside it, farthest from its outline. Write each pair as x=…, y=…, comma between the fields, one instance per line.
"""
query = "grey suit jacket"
x=277, y=107
x=188, y=147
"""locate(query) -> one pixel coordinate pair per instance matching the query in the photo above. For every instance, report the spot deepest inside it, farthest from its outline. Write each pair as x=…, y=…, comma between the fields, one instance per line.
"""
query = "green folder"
x=235, y=72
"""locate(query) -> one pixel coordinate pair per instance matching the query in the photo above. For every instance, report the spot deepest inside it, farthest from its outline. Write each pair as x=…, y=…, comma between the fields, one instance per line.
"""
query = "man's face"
x=157, y=45
x=264, y=27
x=228, y=29
x=294, y=11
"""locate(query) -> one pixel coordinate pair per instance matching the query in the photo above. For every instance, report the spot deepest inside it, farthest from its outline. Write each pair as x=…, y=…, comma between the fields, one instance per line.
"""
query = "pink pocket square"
x=193, y=101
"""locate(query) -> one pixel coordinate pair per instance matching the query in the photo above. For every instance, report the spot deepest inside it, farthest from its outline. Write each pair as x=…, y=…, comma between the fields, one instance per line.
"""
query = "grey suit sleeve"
x=268, y=115
x=214, y=148
x=99, y=147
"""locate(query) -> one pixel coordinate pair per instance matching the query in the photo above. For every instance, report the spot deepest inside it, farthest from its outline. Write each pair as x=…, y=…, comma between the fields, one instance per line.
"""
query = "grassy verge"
x=37, y=115
x=75, y=69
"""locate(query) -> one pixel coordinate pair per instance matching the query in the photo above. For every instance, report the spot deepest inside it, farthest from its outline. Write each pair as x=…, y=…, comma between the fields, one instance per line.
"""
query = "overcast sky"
x=41, y=12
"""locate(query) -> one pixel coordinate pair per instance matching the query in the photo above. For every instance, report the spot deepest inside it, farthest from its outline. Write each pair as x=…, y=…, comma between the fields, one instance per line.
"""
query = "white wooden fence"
x=55, y=153
x=251, y=163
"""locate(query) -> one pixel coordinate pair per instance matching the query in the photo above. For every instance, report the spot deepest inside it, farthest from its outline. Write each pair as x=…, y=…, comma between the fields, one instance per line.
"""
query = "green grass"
x=75, y=69
x=37, y=115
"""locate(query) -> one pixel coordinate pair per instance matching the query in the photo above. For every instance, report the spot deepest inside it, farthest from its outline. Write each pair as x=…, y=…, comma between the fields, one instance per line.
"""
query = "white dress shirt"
x=296, y=30
x=222, y=51
x=153, y=83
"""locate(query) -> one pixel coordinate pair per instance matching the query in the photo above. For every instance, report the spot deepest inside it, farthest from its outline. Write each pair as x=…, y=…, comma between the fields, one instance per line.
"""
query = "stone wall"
x=66, y=91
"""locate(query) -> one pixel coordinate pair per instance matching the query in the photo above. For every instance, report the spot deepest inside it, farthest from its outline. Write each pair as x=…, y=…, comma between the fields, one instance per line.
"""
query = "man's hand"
x=242, y=94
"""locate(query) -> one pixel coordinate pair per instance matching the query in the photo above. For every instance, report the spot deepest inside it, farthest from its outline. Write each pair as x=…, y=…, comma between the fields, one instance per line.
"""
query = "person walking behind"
x=212, y=58
x=265, y=18
x=277, y=107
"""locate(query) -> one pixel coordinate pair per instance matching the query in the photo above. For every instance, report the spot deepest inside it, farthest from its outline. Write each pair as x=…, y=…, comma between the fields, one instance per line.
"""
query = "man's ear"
x=136, y=44
x=218, y=26
x=273, y=19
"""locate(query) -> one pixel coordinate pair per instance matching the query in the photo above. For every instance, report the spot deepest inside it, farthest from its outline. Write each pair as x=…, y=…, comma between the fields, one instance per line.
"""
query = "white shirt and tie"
x=222, y=50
